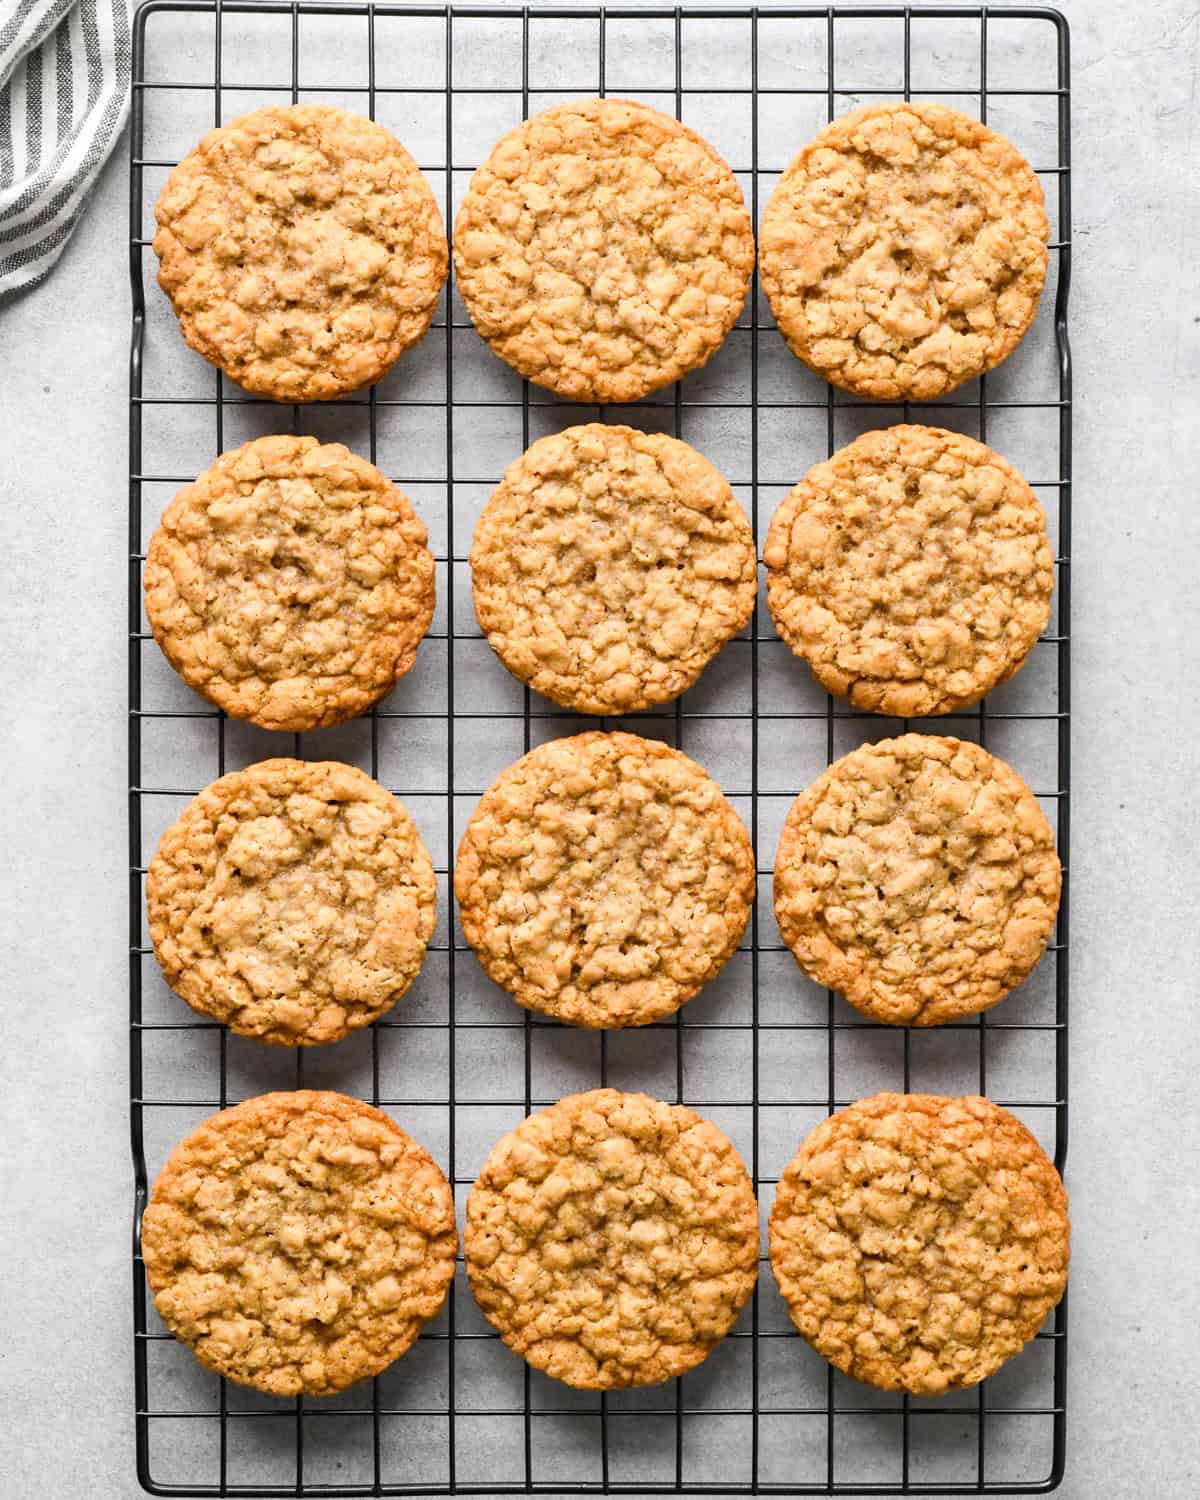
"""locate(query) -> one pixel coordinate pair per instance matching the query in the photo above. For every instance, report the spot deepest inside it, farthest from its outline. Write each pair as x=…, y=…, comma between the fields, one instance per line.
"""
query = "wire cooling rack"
x=761, y=1051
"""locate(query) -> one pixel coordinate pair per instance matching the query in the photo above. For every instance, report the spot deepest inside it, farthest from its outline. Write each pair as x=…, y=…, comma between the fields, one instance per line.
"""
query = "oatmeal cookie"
x=611, y=566
x=904, y=250
x=912, y=570
x=302, y=249
x=297, y=1242
x=603, y=879
x=293, y=901
x=917, y=876
x=603, y=250
x=920, y=1242
x=612, y=1239
x=290, y=584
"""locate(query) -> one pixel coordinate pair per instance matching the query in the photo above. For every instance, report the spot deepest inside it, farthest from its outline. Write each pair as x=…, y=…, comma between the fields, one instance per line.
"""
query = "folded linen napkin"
x=64, y=94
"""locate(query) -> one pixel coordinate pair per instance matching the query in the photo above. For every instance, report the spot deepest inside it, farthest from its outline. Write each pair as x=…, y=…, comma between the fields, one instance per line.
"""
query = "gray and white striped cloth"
x=64, y=93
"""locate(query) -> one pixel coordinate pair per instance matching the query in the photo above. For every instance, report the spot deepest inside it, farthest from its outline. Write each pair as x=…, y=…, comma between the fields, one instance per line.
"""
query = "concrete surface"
x=65, y=1366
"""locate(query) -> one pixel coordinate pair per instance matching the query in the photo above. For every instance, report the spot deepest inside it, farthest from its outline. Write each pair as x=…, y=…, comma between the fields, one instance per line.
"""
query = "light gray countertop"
x=65, y=1365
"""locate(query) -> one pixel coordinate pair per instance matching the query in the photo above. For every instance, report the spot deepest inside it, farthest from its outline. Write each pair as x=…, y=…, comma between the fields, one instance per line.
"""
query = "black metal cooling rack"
x=763, y=1415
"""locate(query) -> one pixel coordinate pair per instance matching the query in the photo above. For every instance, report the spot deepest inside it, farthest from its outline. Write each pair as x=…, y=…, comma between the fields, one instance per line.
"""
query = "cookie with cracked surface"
x=603, y=250
x=604, y=879
x=612, y=1239
x=291, y=584
x=918, y=876
x=920, y=1241
x=912, y=571
x=610, y=566
x=298, y=1242
x=302, y=250
x=904, y=250
x=293, y=901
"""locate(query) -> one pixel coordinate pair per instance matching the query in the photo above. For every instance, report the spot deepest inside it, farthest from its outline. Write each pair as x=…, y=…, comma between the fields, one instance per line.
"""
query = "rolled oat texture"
x=292, y=901
x=604, y=879
x=918, y=877
x=610, y=566
x=612, y=1239
x=904, y=250
x=912, y=571
x=298, y=1242
x=919, y=1241
x=603, y=250
x=302, y=250
x=291, y=583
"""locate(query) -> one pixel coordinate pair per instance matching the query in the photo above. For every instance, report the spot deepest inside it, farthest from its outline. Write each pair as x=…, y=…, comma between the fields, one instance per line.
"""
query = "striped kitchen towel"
x=64, y=92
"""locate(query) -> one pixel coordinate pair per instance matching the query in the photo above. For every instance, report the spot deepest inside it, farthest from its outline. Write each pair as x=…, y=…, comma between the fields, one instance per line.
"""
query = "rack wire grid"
x=761, y=1051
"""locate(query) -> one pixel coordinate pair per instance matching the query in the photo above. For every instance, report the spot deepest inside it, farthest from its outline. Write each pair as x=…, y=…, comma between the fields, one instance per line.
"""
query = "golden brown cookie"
x=603, y=250
x=293, y=901
x=603, y=879
x=917, y=876
x=904, y=250
x=290, y=584
x=302, y=249
x=912, y=571
x=612, y=1239
x=611, y=566
x=297, y=1242
x=920, y=1242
